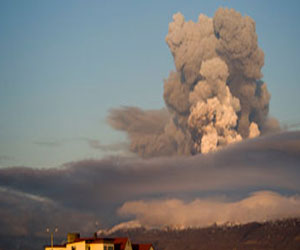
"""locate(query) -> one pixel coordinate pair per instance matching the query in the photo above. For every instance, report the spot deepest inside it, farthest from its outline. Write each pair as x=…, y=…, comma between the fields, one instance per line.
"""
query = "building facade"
x=74, y=242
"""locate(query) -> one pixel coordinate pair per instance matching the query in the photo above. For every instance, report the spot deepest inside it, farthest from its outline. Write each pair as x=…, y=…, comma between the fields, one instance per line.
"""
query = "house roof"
x=141, y=246
x=55, y=246
x=120, y=243
x=94, y=240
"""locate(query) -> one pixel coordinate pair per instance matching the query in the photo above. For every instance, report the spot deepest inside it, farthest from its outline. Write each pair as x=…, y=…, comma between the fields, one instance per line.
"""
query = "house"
x=74, y=242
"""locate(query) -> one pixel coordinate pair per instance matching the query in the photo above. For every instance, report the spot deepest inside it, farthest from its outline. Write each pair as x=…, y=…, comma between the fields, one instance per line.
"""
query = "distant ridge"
x=280, y=234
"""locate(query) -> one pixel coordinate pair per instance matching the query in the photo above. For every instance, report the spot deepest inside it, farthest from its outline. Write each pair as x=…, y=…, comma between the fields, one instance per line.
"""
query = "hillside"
x=279, y=235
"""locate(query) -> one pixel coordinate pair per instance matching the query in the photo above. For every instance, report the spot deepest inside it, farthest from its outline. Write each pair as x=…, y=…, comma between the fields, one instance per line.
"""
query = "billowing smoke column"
x=215, y=96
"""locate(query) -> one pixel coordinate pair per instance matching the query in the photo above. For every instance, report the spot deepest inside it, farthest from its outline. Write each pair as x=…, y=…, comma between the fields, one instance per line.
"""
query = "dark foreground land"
x=279, y=235
x=259, y=236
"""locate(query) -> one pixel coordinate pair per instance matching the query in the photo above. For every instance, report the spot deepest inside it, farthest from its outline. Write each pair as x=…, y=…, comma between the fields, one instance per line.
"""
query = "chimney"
x=73, y=237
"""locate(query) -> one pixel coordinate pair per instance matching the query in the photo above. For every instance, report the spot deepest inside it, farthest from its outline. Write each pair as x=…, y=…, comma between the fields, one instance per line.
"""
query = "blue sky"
x=64, y=64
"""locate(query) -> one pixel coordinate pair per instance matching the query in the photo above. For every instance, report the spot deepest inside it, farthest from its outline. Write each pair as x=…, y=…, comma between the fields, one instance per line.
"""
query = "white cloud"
x=259, y=207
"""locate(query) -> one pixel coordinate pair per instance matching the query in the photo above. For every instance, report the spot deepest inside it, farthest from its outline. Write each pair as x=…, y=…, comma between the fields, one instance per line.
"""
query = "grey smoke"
x=107, y=147
x=152, y=132
x=25, y=214
x=214, y=98
x=91, y=190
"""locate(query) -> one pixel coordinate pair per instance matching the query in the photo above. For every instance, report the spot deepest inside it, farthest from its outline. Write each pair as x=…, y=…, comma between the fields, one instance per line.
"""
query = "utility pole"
x=52, y=235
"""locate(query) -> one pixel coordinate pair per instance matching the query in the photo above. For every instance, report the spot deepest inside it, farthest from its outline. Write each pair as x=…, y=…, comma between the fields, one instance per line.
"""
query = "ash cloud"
x=214, y=98
x=95, y=189
x=116, y=147
x=150, y=132
x=24, y=214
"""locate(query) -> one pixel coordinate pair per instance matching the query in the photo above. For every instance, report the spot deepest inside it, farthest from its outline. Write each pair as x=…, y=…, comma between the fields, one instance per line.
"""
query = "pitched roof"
x=93, y=240
x=141, y=246
x=120, y=243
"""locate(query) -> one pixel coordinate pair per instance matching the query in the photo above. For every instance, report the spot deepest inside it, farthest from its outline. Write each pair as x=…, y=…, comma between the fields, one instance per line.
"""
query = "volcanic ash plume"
x=215, y=97
x=213, y=115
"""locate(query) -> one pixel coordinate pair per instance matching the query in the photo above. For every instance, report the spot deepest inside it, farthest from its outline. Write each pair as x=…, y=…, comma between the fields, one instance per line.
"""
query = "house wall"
x=96, y=246
x=128, y=245
x=78, y=245
x=100, y=246
x=55, y=248
x=109, y=246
